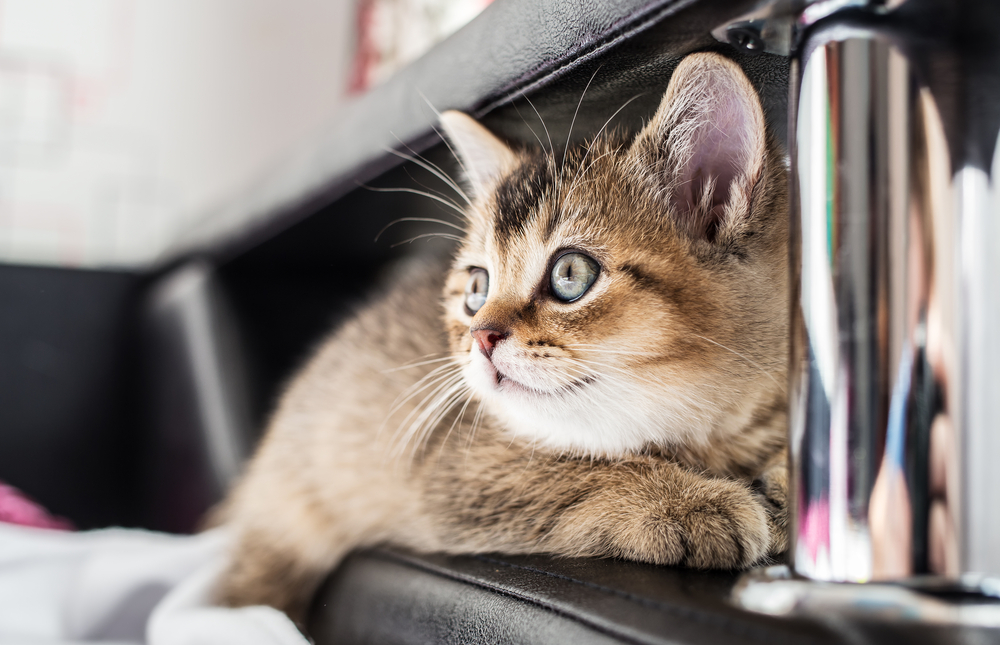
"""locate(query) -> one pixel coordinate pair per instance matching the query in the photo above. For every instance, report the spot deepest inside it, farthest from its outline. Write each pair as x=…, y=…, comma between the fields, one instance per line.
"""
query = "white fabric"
x=118, y=586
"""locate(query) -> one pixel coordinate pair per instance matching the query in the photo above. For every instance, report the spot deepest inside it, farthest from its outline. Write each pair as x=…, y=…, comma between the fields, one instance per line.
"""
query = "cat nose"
x=487, y=340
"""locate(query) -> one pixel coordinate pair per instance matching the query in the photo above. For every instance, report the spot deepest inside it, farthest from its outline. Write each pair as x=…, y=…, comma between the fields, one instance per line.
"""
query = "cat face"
x=630, y=292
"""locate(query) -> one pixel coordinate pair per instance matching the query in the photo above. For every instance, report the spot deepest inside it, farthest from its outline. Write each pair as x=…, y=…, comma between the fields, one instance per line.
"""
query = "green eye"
x=572, y=276
x=475, y=291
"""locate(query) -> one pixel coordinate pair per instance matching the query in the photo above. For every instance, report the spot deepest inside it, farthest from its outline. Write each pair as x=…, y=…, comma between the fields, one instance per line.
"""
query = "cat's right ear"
x=484, y=157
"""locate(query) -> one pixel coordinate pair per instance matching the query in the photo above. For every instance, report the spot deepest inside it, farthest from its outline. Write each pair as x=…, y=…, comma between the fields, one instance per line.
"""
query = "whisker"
x=475, y=424
x=601, y=131
x=433, y=169
x=436, y=112
x=422, y=410
x=435, y=191
x=396, y=444
x=458, y=419
x=597, y=349
x=446, y=405
x=552, y=150
x=531, y=456
x=528, y=125
x=607, y=123
x=428, y=380
x=421, y=429
x=444, y=139
x=414, y=191
x=441, y=402
x=578, y=184
x=748, y=360
x=572, y=123
x=472, y=434
x=579, y=176
x=417, y=219
x=513, y=438
x=402, y=436
x=454, y=154
x=578, y=374
x=446, y=236
x=431, y=377
x=418, y=364
x=608, y=365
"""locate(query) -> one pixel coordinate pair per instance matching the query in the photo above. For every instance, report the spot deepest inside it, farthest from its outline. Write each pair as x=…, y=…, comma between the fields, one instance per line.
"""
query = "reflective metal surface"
x=774, y=24
x=967, y=603
x=977, y=200
x=895, y=411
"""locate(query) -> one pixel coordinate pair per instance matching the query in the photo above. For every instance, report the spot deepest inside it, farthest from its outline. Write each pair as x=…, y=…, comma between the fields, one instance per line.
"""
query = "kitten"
x=609, y=379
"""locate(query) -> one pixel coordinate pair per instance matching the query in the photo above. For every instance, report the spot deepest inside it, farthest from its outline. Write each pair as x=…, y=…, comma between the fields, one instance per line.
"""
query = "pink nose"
x=487, y=340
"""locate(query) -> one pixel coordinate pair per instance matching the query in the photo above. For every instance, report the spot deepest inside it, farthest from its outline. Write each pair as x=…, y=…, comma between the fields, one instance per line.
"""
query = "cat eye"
x=572, y=275
x=475, y=291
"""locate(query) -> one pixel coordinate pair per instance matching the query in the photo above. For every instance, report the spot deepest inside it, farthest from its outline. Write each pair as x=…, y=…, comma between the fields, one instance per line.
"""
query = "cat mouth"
x=505, y=383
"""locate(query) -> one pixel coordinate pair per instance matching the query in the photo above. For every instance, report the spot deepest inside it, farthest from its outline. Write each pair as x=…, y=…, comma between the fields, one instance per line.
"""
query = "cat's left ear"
x=708, y=143
x=484, y=157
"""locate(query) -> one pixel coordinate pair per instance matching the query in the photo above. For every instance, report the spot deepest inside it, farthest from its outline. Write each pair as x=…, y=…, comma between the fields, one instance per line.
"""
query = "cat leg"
x=261, y=572
x=640, y=508
x=281, y=556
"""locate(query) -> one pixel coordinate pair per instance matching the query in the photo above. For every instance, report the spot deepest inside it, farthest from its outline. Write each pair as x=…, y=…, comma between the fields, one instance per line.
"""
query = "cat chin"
x=580, y=428
x=598, y=419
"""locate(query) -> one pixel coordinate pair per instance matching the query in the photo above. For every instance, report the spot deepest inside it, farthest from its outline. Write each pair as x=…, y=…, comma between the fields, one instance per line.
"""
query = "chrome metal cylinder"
x=895, y=398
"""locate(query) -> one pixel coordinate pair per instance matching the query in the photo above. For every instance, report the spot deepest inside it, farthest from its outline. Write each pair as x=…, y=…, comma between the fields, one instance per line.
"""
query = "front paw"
x=719, y=524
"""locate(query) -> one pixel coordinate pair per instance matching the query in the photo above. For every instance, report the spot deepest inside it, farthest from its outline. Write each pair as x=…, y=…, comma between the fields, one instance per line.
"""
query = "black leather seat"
x=392, y=597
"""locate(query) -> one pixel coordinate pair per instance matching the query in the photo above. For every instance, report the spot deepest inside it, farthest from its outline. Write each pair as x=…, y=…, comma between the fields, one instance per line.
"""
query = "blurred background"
x=125, y=124
x=139, y=354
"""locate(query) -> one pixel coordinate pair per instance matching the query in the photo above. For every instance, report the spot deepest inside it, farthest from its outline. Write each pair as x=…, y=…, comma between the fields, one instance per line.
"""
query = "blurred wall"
x=123, y=122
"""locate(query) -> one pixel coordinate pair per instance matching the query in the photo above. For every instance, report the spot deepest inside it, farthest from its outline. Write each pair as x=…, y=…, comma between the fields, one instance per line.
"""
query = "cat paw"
x=721, y=525
x=771, y=489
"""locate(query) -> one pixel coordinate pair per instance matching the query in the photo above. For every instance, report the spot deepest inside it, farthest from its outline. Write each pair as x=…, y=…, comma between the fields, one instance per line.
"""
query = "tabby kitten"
x=608, y=381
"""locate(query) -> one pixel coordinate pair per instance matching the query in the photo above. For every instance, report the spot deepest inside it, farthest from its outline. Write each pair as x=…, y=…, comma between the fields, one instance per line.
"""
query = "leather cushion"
x=390, y=596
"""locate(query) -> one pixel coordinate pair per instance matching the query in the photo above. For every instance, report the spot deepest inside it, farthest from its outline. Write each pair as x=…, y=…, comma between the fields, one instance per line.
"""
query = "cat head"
x=630, y=292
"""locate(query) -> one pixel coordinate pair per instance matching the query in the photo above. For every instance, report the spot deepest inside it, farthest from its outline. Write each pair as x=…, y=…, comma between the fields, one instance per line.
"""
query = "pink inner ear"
x=718, y=141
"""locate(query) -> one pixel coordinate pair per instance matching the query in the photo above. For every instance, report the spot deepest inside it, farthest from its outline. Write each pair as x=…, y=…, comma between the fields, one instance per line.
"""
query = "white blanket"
x=123, y=586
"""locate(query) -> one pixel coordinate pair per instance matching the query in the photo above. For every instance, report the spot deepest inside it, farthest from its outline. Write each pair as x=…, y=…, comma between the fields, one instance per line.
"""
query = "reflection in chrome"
x=773, y=591
x=880, y=415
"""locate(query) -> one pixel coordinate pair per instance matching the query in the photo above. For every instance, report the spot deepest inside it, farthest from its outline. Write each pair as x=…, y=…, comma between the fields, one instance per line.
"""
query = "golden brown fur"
x=645, y=420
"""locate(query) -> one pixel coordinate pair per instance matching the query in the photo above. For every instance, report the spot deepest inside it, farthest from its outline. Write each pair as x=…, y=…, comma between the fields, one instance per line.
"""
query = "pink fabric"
x=15, y=508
